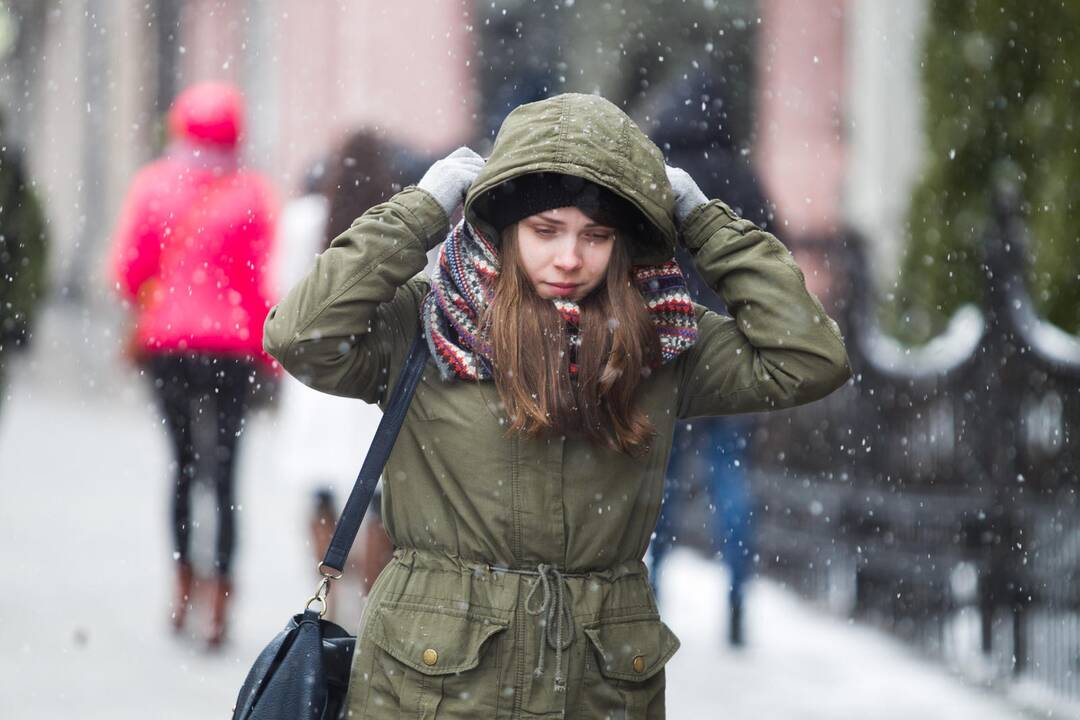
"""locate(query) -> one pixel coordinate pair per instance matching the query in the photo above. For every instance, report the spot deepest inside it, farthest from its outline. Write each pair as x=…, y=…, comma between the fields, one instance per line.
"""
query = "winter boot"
x=220, y=595
x=185, y=582
x=736, y=636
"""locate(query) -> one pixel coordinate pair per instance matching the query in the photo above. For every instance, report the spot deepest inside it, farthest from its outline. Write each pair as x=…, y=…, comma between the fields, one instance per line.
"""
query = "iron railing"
x=937, y=494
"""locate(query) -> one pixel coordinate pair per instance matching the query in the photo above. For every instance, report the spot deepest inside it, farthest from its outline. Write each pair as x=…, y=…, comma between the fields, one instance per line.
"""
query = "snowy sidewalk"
x=85, y=575
x=799, y=663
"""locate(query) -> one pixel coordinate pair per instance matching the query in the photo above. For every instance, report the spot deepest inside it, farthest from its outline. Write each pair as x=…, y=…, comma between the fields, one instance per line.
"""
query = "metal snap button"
x=639, y=664
x=430, y=657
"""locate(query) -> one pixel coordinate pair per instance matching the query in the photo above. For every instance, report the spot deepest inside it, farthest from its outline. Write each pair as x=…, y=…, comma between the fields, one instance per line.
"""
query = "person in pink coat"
x=191, y=256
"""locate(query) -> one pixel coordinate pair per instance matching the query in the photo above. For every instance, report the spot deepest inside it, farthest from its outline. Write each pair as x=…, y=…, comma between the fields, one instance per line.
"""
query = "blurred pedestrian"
x=191, y=253
x=710, y=454
x=23, y=255
x=527, y=475
x=323, y=438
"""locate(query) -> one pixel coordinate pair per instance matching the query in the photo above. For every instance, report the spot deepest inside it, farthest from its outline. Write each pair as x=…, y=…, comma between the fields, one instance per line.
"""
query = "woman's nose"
x=568, y=257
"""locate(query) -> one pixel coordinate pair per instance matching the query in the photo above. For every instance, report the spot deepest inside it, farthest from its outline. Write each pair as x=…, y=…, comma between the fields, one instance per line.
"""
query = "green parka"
x=501, y=538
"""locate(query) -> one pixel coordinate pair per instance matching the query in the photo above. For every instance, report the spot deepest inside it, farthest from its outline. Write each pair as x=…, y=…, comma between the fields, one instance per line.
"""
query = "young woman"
x=528, y=475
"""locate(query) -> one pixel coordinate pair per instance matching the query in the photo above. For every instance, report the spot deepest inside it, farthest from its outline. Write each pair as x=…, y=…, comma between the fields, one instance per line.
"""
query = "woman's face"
x=564, y=253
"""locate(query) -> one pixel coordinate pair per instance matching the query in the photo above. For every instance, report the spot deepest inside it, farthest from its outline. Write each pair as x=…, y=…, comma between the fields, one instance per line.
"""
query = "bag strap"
x=364, y=488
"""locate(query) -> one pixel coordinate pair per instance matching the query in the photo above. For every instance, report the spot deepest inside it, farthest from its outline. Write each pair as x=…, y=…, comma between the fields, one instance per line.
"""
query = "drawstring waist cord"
x=554, y=615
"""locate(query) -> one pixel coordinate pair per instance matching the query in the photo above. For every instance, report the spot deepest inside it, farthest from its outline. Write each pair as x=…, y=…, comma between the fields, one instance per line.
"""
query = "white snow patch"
x=799, y=663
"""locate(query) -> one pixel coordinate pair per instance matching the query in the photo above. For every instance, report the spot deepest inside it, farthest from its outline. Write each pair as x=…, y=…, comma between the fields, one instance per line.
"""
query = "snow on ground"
x=799, y=663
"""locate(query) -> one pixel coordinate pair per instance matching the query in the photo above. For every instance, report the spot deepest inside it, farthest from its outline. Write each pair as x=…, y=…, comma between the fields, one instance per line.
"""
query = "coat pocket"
x=624, y=667
x=450, y=669
x=433, y=639
x=631, y=649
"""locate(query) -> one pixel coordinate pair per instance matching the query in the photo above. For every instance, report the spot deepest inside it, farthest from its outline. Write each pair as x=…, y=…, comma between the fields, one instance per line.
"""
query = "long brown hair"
x=619, y=346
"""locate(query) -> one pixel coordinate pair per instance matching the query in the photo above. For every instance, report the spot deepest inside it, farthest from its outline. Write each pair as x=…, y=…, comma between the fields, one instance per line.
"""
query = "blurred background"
x=909, y=547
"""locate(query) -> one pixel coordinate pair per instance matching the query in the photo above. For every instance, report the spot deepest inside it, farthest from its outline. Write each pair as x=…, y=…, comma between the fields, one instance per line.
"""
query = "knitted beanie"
x=528, y=195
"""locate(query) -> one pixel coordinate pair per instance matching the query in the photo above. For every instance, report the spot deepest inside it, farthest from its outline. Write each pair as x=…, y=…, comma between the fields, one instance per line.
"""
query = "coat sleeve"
x=780, y=350
x=350, y=320
x=138, y=239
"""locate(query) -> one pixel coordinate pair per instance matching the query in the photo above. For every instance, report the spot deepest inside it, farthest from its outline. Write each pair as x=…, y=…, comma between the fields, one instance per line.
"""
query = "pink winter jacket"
x=192, y=251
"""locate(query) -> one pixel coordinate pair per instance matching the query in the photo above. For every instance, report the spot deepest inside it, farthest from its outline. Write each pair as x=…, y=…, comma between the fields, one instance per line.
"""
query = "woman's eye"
x=545, y=231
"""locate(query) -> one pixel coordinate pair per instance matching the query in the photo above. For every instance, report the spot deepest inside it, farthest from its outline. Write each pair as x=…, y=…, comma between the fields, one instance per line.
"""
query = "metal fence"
x=937, y=494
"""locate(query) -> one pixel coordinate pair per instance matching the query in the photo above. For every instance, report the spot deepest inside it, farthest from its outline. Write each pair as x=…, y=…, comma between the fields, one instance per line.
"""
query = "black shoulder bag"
x=303, y=674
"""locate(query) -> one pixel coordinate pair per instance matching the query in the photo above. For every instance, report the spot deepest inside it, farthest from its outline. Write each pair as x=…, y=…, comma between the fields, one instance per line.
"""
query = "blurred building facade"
x=884, y=134
x=828, y=108
x=86, y=83
x=823, y=99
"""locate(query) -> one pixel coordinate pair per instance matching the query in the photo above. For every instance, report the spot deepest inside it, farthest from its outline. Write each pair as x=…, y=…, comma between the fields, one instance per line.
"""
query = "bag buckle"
x=323, y=589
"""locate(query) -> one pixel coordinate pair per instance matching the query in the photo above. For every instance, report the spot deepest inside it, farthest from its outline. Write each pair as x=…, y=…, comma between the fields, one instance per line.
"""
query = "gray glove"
x=448, y=180
x=688, y=195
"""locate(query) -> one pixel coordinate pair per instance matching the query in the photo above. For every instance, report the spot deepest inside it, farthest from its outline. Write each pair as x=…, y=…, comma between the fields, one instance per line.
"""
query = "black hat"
x=528, y=195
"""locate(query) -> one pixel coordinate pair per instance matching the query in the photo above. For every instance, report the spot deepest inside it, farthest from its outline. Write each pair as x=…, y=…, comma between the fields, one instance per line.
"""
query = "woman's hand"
x=448, y=180
x=688, y=195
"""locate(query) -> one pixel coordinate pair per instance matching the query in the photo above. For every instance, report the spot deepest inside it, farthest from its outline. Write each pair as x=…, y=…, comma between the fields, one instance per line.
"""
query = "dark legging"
x=204, y=398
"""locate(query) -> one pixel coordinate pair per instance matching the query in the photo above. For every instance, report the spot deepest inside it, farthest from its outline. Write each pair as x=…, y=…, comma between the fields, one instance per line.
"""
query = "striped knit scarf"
x=463, y=285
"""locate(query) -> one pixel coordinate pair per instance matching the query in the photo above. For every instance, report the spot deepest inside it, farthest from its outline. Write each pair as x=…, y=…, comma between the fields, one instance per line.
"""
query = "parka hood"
x=588, y=137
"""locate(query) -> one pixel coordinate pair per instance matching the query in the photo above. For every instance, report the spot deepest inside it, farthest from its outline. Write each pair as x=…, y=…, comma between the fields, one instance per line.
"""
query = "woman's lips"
x=563, y=289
